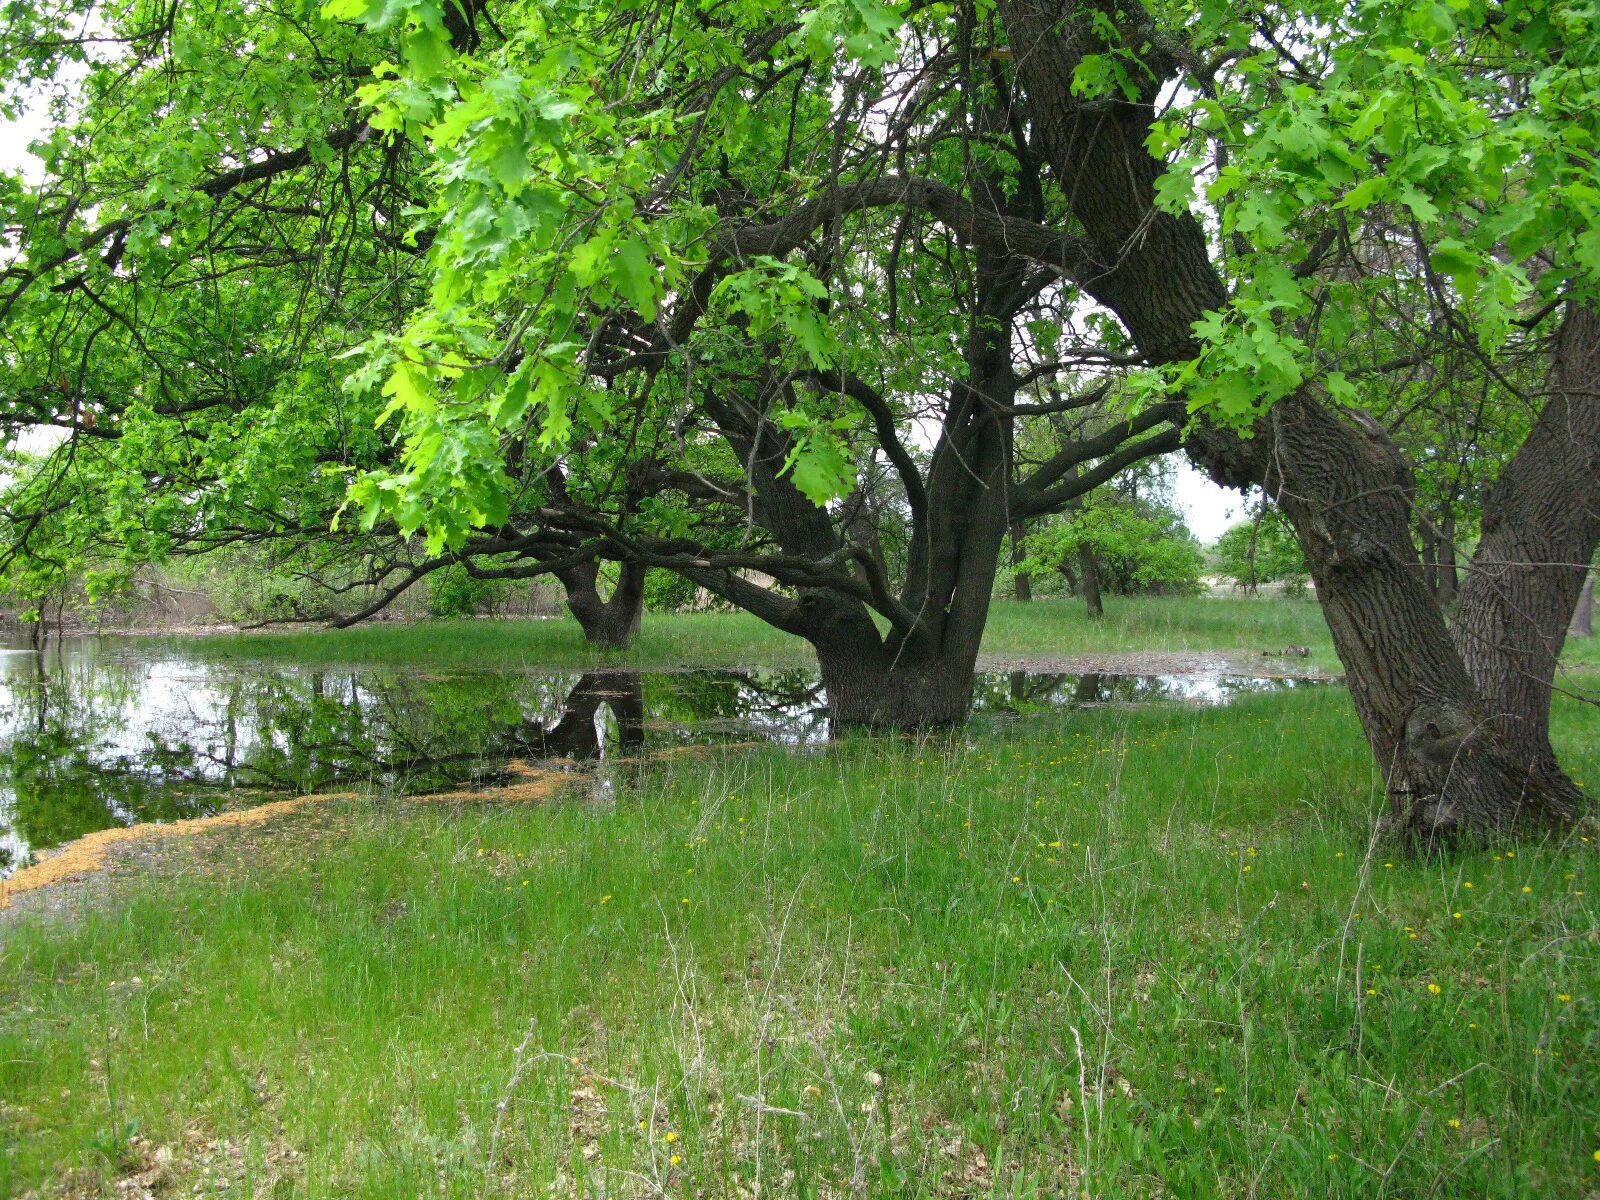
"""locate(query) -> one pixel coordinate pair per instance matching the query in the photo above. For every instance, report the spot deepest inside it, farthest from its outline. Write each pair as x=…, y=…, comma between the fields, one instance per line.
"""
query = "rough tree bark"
x=609, y=622
x=1541, y=525
x=1339, y=479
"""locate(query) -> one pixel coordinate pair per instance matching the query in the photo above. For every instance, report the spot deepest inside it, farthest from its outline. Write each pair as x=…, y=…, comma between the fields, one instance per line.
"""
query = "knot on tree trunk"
x=1357, y=551
x=1438, y=735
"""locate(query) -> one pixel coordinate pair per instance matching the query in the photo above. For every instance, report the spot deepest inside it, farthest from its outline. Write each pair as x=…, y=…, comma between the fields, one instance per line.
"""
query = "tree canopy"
x=521, y=287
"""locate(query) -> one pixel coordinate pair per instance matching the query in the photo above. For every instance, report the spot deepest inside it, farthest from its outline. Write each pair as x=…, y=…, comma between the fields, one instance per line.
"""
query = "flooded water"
x=103, y=732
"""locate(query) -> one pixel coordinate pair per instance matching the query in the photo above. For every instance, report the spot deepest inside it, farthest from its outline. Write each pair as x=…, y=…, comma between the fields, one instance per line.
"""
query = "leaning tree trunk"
x=1339, y=479
x=608, y=623
x=1346, y=489
x=1541, y=526
x=1583, y=616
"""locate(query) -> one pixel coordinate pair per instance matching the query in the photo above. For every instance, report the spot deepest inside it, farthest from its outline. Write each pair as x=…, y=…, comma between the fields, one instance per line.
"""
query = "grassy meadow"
x=1040, y=629
x=1121, y=952
x=1046, y=628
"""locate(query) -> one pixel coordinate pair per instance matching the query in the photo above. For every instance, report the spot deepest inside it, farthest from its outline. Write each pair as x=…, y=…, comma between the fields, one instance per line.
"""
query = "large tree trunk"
x=1541, y=525
x=1346, y=489
x=1339, y=478
x=609, y=623
x=868, y=686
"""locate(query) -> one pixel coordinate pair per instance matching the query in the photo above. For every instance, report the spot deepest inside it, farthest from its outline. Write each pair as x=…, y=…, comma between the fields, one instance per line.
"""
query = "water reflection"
x=95, y=733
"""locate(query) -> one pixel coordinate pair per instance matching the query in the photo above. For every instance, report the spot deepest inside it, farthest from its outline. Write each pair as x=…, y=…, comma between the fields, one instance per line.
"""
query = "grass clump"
x=1126, y=952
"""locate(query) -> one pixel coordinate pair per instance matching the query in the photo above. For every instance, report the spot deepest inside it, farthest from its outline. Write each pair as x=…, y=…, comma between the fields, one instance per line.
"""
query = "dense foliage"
x=1138, y=547
x=1261, y=550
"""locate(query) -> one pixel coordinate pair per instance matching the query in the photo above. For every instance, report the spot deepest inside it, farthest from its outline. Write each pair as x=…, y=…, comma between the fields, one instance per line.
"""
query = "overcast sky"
x=1207, y=508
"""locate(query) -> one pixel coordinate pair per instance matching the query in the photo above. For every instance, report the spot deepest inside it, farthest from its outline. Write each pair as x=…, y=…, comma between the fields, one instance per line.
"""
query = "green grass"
x=1042, y=628
x=1582, y=652
x=1121, y=953
x=1245, y=626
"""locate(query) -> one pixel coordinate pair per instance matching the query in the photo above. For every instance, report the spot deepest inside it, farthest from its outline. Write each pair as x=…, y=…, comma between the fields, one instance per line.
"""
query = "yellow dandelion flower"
x=605, y=899
x=675, y=1159
x=1434, y=989
x=1526, y=890
x=1454, y=1123
x=1217, y=1091
x=1564, y=998
x=1333, y=1158
x=1467, y=884
x=670, y=1137
x=1456, y=915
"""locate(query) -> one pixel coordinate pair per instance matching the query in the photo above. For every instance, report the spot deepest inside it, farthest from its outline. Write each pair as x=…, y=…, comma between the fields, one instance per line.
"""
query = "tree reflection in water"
x=95, y=733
